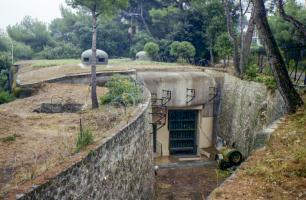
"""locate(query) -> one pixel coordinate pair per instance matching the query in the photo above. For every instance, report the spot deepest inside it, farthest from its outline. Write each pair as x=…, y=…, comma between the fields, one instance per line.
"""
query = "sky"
x=13, y=11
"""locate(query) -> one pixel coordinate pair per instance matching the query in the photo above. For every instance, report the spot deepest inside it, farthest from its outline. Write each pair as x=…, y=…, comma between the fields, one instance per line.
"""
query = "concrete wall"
x=119, y=168
x=243, y=110
x=178, y=82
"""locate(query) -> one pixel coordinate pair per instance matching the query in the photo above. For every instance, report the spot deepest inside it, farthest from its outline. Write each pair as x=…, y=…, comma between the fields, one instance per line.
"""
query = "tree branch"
x=301, y=28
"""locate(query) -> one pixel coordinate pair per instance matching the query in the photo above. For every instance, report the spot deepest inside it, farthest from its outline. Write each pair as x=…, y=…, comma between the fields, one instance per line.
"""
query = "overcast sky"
x=13, y=11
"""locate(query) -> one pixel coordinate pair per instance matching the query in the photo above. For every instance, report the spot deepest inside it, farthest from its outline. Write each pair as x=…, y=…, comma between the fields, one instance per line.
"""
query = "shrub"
x=183, y=51
x=139, y=41
x=5, y=97
x=251, y=72
x=122, y=90
x=22, y=51
x=84, y=139
x=152, y=49
x=223, y=46
x=269, y=81
x=10, y=138
x=61, y=51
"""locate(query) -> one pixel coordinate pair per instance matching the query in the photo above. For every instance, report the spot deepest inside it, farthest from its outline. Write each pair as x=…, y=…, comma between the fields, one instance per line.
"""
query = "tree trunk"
x=300, y=27
x=212, y=59
x=233, y=37
x=94, y=98
x=284, y=84
x=247, y=41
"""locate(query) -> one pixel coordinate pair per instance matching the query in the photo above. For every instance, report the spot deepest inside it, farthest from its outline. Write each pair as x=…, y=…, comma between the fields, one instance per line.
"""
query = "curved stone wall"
x=121, y=167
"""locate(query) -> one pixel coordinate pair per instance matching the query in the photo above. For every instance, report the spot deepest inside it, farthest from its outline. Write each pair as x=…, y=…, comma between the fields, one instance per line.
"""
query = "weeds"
x=10, y=138
x=84, y=139
x=122, y=90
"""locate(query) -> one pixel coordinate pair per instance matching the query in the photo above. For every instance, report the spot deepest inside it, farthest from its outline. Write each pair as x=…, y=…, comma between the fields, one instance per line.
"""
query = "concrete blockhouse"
x=143, y=56
x=102, y=57
x=182, y=111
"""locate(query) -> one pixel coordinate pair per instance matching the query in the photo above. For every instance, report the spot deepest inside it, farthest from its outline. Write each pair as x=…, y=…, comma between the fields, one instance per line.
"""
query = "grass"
x=52, y=63
x=84, y=139
x=10, y=138
x=278, y=171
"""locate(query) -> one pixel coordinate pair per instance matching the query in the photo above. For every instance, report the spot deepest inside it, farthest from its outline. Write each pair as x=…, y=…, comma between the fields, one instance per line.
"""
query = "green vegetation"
x=51, y=63
x=10, y=138
x=183, y=51
x=252, y=74
x=5, y=97
x=84, y=139
x=223, y=173
x=223, y=46
x=122, y=90
x=61, y=51
x=5, y=68
x=152, y=49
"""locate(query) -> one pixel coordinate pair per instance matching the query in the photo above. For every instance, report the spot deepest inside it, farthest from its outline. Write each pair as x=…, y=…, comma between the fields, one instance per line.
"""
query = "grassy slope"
x=278, y=171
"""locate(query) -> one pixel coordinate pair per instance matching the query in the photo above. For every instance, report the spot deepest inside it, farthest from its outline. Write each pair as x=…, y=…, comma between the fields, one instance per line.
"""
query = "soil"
x=193, y=183
x=40, y=141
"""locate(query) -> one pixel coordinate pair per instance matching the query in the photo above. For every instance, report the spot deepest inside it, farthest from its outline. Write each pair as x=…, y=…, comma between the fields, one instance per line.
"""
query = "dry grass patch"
x=43, y=141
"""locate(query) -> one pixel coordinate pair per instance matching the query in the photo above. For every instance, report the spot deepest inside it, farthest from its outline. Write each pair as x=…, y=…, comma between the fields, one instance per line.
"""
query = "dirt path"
x=192, y=183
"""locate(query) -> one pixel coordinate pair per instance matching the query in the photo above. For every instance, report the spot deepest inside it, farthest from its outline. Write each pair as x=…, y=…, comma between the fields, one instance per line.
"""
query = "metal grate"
x=182, y=130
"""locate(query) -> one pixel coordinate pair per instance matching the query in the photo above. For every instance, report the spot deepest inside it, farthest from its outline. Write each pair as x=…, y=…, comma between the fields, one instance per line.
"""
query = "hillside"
x=276, y=172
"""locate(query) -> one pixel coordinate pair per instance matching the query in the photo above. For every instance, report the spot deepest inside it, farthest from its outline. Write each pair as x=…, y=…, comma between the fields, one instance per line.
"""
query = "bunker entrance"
x=182, y=132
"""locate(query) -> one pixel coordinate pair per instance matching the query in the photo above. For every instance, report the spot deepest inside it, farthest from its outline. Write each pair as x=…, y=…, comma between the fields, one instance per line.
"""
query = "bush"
x=61, y=51
x=84, y=139
x=269, y=81
x=122, y=90
x=5, y=97
x=139, y=41
x=152, y=49
x=251, y=72
x=183, y=51
x=164, y=51
x=22, y=51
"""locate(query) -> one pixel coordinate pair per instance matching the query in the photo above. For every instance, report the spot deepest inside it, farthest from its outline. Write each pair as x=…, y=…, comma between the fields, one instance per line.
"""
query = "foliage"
x=31, y=32
x=253, y=75
x=285, y=33
x=223, y=46
x=84, y=139
x=106, y=8
x=4, y=73
x=122, y=90
x=152, y=49
x=139, y=41
x=22, y=51
x=5, y=97
x=61, y=51
x=183, y=50
x=10, y=138
x=269, y=81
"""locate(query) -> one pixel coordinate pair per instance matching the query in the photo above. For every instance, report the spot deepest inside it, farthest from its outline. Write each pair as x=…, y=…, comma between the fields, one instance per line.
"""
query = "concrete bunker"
x=182, y=111
x=101, y=57
x=143, y=56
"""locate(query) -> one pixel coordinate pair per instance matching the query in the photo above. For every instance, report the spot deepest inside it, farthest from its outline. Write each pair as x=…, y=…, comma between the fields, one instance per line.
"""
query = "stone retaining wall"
x=243, y=110
x=120, y=168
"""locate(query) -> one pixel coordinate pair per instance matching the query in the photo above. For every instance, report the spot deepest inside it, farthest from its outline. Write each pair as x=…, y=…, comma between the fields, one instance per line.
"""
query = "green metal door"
x=183, y=131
